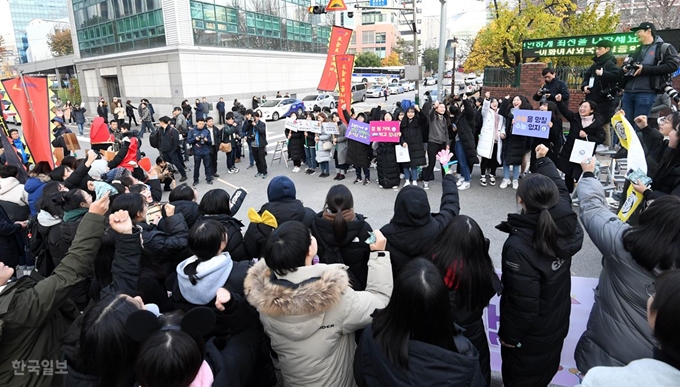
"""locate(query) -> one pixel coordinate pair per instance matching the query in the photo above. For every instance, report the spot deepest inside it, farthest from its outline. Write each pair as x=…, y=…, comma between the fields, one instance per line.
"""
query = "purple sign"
x=359, y=131
x=531, y=123
x=582, y=300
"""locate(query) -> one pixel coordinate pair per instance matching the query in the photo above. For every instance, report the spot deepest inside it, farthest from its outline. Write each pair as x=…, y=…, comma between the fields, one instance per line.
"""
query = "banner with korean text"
x=358, y=131
x=30, y=96
x=344, y=65
x=339, y=42
x=531, y=123
x=385, y=131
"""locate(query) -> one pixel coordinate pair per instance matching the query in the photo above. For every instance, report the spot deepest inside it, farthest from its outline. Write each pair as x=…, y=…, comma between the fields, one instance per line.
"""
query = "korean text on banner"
x=330, y=128
x=314, y=126
x=531, y=123
x=36, y=123
x=636, y=160
x=385, y=131
x=304, y=125
x=339, y=42
x=359, y=131
x=344, y=65
x=291, y=124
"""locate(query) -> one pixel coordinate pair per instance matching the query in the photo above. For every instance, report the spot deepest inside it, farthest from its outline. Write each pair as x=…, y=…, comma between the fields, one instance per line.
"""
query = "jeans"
x=367, y=172
x=205, y=159
x=411, y=173
x=145, y=124
x=251, y=155
x=325, y=166
x=310, y=155
x=462, y=161
x=515, y=171
x=80, y=129
x=637, y=104
x=183, y=150
x=432, y=150
x=173, y=158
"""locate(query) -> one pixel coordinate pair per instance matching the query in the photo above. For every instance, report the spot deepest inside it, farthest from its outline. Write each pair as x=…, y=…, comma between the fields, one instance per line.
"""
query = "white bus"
x=377, y=75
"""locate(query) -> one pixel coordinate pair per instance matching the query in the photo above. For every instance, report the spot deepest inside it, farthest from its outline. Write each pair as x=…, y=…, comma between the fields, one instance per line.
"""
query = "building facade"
x=374, y=30
x=171, y=50
x=23, y=11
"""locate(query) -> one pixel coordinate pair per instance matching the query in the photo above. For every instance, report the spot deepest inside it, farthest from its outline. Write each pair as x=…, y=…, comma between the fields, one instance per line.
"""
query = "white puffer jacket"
x=11, y=190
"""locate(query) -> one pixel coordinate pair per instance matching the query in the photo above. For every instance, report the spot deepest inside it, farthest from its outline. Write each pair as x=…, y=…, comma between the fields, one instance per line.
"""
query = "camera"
x=544, y=91
x=610, y=92
x=630, y=67
x=671, y=92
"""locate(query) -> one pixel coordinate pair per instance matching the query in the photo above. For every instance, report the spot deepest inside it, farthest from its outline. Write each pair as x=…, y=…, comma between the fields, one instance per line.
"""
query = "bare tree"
x=663, y=13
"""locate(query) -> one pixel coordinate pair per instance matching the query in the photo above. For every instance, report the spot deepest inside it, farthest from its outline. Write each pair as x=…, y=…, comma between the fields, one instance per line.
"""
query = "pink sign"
x=385, y=131
x=582, y=300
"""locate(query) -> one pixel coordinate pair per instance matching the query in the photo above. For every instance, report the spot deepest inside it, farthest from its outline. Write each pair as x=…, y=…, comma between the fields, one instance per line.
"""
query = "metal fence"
x=573, y=76
x=501, y=76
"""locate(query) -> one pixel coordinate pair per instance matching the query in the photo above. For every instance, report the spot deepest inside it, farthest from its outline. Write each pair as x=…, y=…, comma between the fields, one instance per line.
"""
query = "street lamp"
x=454, y=45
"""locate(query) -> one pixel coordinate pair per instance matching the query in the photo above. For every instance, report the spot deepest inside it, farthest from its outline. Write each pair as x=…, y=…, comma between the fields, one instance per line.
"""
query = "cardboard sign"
x=385, y=131
x=314, y=126
x=291, y=124
x=581, y=150
x=71, y=141
x=359, y=131
x=108, y=155
x=330, y=128
x=531, y=123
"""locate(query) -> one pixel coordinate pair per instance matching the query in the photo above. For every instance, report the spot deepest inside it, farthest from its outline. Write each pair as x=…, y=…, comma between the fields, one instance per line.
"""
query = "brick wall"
x=531, y=80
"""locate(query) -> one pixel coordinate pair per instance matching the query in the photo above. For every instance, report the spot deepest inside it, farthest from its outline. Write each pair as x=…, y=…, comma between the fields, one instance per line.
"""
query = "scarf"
x=73, y=215
x=48, y=220
x=204, y=377
x=348, y=214
x=212, y=275
x=587, y=121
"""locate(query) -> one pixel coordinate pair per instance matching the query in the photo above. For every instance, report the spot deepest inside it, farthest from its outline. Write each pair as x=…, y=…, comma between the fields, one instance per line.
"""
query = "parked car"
x=408, y=86
x=358, y=92
x=320, y=100
x=374, y=92
x=277, y=108
x=430, y=81
x=396, y=88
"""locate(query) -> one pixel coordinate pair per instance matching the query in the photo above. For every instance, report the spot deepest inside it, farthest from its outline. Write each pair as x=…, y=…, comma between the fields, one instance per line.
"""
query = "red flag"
x=339, y=42
x=32, y=104
x=344, y=65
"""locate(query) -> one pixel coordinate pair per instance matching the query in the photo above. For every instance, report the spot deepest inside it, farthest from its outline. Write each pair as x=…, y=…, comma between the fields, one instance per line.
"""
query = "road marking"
x=229, y=184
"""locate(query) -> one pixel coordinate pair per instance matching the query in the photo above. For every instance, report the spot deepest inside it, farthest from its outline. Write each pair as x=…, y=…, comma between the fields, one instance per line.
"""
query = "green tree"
x=391, y=60
x=404, y=49
x=431, y=59
x=367, y=59
x=60, y=42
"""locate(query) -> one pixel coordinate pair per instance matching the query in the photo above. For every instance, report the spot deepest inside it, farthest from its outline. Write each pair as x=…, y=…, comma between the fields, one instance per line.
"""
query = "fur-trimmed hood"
x=298, y=300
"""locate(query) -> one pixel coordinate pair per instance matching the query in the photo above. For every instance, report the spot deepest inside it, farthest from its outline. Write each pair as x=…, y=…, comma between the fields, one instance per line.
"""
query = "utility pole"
x=442, y=52
x=415, y=52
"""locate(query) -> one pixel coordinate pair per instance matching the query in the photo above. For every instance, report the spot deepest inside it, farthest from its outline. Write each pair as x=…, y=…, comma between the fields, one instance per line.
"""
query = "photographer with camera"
x=552, y=87
x=201, y=143
x=600, y=84
x=647, y=71
x=258, y=141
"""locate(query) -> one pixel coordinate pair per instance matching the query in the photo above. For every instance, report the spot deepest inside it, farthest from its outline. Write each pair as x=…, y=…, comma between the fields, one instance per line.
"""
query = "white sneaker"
x=465, y=185
x=296, y=169
x=436, y=169
x=460, y=181
x=515, y=184
x=504, y=183
x=426, y=185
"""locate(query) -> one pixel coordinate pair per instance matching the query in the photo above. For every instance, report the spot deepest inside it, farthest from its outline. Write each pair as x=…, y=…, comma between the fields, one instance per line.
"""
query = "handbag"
x=327, y=145
x=225, y=147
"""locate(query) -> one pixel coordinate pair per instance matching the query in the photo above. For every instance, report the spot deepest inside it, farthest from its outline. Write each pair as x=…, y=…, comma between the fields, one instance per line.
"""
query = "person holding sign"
x=464, y=139
x=386, y=158
x=340, y=141
x=296, y=144
x=586, y=125
x=324, y=147
x=310, y=146
x=359, y=155
x=412, y=139
x=489, y=147
x=514, y=146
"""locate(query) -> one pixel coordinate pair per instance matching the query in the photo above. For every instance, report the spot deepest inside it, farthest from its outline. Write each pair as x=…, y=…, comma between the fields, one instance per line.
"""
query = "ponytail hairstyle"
x=205, y=241
x=70, y=200
x=338, y=199
x=539, y=194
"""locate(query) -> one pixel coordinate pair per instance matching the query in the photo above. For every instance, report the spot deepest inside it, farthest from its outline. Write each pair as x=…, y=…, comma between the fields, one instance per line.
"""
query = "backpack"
x=38, y=250
x=154, y=138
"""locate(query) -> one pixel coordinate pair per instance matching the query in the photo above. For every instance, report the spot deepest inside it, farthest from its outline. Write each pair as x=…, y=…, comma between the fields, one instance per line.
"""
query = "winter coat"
x=79, y=115
x=553, y=143
x=200, y=113
x=220, y=107
x=229, y=134
x=12, y=241
x=130, y=110
x=34, y=187
x=557, y=86
x=235, y=245
x=216, y=134
x=352, y=251
x=663, y=183
x=296, y=145
x=119, y=113
x=257, y=233
x=413, y=229
x=259, y=130
x=189, y=209
x=465, y=133
x=387, y=167
x=342, y=143
x=50, y=233
x=202, y=147
x=11, y=190
x=167, y=241
x=594, y=131
x=103, y=112
x=128, y=151
x=59, y=141
x=604, y=84
x=642, y=372
x=428, y=365
x=514, y=147
x=168, y=140
x=35, y=315
x=617, y=331
x=321, y=154
x=490, y=133
x=311, y=315
x=536, y=301
x=412, y=135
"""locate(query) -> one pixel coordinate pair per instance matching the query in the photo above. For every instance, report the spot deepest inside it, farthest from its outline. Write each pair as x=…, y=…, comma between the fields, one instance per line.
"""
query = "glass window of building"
x=380, y=37
x=381, y=51
x=368, y=37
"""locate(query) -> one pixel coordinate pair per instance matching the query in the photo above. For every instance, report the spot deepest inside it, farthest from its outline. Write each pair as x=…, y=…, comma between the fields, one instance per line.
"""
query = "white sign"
x=402, y=154
x=330, y=128
x=581, y=150
x=304, y=125
x=291, y=124
x=314, y=126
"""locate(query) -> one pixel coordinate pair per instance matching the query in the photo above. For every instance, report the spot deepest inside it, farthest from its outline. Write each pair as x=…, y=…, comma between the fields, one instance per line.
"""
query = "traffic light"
x=316, y=9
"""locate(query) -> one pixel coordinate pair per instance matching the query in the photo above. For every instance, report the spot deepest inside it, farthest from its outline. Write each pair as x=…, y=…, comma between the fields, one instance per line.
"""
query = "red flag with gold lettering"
x=31, y=99
x=344, y=65
x=339, y=42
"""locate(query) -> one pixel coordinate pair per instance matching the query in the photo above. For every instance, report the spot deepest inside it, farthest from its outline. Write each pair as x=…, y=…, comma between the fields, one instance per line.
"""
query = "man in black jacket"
x=215, y=149
x=258, y=136
x=552, y=87
x=600, y=83
x=169, y=144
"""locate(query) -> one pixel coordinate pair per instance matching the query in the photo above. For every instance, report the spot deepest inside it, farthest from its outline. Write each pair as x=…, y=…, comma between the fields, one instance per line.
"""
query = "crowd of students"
x=126, y=291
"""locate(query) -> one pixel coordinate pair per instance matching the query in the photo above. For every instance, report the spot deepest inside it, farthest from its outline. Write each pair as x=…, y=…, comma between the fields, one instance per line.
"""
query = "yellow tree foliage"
x=391, y=60
x=500, y=43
